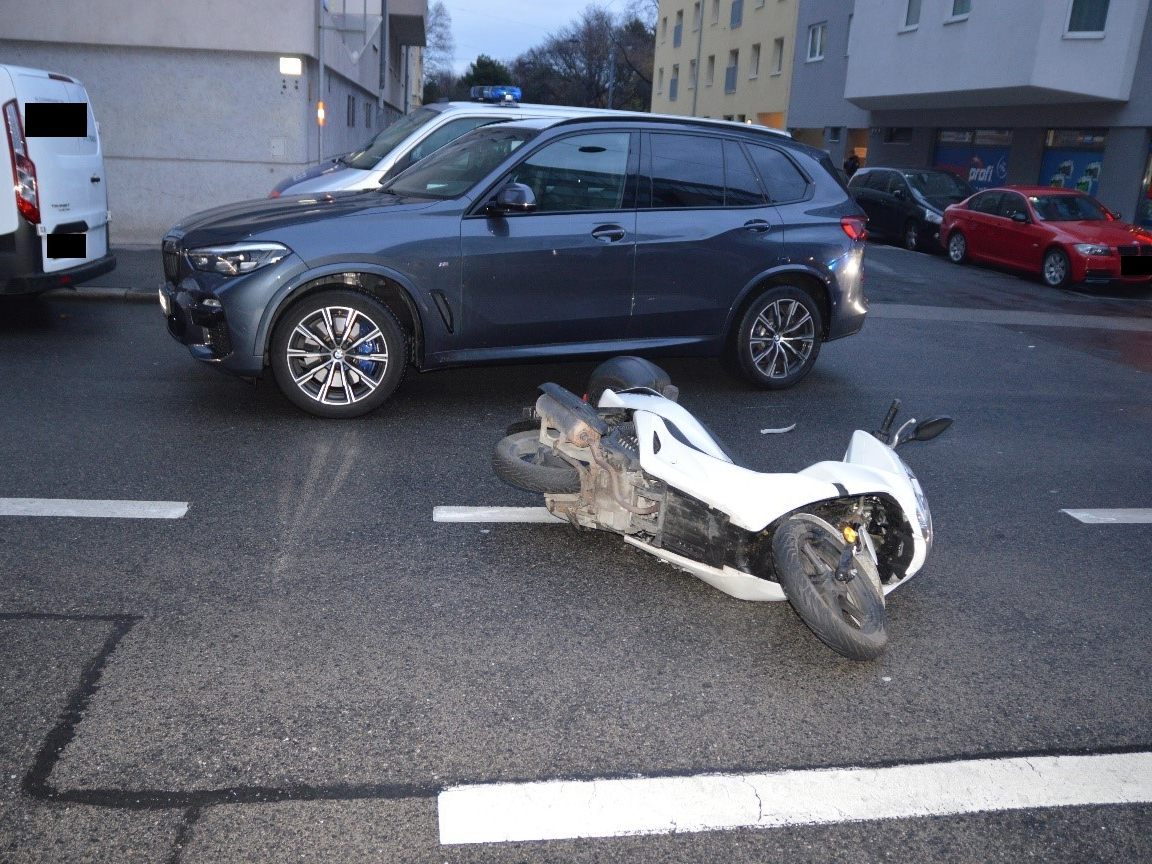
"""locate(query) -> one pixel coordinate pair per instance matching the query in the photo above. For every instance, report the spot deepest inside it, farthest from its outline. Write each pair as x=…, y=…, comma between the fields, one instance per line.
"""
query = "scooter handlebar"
x=885, y=430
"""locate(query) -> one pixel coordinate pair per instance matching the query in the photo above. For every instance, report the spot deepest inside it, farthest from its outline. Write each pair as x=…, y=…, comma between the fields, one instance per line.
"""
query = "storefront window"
x=1144, y=208
x=1073, y=159
x=980, y=156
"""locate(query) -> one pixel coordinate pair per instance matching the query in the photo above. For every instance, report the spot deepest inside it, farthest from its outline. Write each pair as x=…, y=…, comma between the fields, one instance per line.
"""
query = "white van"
x=411, y=138
x=54, y=223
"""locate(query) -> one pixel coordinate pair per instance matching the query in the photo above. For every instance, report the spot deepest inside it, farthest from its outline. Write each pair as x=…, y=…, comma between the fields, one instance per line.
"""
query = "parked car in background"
x=1062, y=235
x=906, y=205
x=54, y=216
x=412, y=137
x=535, y=239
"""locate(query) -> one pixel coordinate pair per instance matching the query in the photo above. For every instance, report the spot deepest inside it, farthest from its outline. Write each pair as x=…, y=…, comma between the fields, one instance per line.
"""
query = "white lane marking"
x=1117, y=516
x=1015, y=317
x=93, y=509
x=538, y=515
x=558, y=810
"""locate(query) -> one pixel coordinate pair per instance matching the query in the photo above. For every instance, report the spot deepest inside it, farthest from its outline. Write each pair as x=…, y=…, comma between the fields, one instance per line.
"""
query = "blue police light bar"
x=496, y=93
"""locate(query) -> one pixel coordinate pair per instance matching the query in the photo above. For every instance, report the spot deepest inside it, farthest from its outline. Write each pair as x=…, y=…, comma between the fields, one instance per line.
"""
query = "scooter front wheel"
x=848, y=617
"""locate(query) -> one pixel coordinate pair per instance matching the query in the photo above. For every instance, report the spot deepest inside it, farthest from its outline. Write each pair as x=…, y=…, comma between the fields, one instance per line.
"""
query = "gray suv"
x=541, y=239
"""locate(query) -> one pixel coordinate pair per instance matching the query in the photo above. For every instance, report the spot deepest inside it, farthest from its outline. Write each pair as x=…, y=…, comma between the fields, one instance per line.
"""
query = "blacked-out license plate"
x=1136, y=265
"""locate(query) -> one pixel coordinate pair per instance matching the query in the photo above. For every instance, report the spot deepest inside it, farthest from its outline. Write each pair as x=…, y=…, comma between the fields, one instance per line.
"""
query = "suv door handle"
x=95, y=179
x=757, y=226
x=608, y=233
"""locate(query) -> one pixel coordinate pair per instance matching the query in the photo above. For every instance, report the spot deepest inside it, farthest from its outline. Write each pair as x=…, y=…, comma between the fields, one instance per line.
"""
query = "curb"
x=115, y=295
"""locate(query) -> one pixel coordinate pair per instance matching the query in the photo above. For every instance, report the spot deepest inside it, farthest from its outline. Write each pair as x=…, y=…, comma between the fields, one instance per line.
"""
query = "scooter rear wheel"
x=848, y=617
x=521, y=461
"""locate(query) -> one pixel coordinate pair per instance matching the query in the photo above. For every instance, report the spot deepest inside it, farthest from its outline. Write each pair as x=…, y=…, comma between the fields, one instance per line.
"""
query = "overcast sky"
x=504, y=29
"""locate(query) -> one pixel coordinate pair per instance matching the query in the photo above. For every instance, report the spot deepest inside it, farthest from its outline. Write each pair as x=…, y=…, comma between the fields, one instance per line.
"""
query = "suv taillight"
x=23, y=169
x=854, y=226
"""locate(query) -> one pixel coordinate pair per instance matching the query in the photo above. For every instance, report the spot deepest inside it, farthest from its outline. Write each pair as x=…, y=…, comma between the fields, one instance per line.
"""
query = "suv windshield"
x=386, y=141
x=939, y=184
x=457, y=167
x=1068, y=208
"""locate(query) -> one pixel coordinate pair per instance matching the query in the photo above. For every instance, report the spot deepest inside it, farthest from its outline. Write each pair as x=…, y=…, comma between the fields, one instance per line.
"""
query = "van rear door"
x=69, y=173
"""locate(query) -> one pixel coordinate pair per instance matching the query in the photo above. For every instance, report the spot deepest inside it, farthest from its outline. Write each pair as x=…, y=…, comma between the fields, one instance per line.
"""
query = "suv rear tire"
x=778, y=338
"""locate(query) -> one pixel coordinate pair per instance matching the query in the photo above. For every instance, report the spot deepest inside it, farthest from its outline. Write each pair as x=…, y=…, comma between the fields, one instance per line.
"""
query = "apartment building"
x=202, y=103
x=818, y=113
x=729, y=59
x=1054, y=92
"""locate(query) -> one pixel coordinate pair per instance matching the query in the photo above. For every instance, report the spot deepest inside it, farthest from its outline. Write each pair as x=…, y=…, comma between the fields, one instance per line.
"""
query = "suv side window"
x=782, y=180
x=687, y=171
x=581, y=172
x=741, y=188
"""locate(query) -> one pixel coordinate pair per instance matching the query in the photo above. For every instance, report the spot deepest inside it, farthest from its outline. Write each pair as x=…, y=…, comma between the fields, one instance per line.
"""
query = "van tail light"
x=23, y=170
x=854, y=226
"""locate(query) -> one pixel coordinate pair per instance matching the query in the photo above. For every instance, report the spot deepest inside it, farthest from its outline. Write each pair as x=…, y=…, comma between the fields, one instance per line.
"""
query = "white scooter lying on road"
x=832, y=539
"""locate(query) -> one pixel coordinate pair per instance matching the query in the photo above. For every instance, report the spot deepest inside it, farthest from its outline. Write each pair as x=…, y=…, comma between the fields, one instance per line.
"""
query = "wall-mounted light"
x=291, y=66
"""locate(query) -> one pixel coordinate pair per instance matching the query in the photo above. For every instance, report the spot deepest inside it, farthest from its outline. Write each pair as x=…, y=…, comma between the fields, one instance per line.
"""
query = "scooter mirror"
x=926, y=430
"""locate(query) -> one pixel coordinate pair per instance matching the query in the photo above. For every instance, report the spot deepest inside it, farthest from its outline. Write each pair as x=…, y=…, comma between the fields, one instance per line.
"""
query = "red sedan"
x=1062, y=235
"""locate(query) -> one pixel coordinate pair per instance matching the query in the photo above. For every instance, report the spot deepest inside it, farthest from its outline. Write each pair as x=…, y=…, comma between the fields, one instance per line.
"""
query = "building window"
x=816, y=36
x=737, y=14
x=848, y=41
x=674, y=83
x=368, y=115
x=1088, y=16
x=664, y=28
x=778, y=56
x=660, y=80
x=678, y=30
x=351, y=112
x=912, y=14
x=715, y=12
x=697, y=16
x=710, y=70
x=731, y=71
x=691, y=74
x=833, y=133
x=961, y=8
x=898, y=135
x=754, y=62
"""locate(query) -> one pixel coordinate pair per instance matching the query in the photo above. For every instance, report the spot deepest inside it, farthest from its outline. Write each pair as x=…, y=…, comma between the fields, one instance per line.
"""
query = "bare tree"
x=596, y=61
x=440, y=50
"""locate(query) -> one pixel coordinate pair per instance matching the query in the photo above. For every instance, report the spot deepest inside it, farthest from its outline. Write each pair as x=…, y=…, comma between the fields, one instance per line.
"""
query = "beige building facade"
x=725, y=59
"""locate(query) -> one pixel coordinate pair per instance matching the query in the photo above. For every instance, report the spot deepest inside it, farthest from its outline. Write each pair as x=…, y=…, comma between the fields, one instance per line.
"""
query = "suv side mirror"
x=513, y=198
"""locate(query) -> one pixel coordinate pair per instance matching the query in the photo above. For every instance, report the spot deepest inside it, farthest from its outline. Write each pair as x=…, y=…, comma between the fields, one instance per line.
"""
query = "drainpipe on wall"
x=320, y=76
x=699, y=47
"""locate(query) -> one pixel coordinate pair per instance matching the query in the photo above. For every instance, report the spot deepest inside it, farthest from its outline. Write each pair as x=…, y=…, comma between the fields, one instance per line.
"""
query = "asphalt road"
x=297, y=667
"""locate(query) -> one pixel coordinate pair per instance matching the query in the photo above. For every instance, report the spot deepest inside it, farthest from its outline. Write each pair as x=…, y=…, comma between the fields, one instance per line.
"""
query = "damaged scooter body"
x=721, y=530
x=833, y=538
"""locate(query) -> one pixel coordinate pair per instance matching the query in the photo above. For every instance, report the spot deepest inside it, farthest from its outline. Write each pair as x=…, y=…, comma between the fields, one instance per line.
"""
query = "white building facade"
x=203, y=102
x=1049, y=92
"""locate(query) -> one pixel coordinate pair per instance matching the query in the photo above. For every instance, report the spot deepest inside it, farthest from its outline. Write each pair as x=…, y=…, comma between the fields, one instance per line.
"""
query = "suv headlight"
x=1093, y=249
x=236, y=259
